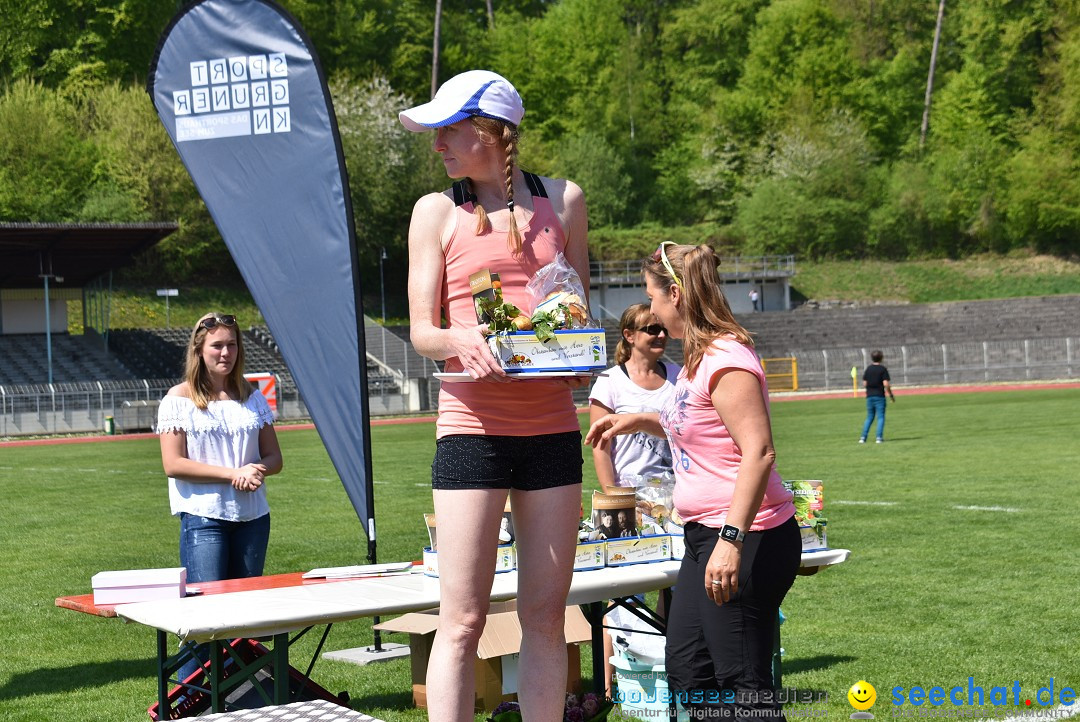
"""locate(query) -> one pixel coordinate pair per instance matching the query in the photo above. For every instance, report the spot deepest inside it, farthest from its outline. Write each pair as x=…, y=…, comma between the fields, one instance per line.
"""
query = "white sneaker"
x=879, y=441
x=862, y=440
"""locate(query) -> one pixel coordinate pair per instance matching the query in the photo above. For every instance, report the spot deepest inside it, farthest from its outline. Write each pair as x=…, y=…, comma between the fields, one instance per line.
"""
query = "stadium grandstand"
x=52, y=381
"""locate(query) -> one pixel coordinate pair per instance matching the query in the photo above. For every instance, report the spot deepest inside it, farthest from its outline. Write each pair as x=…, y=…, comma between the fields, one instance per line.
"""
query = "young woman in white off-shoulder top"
x=218, y=447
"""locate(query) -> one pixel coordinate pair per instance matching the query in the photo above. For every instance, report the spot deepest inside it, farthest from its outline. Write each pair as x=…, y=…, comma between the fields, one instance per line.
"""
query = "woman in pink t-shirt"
x=742, y=542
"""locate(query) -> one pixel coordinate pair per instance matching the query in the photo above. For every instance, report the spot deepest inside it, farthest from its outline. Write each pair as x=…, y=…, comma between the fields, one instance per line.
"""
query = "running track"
x=774, y=398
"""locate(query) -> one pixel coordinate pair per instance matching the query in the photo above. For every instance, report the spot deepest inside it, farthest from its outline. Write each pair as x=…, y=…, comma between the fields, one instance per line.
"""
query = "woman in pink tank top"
x=496, y=437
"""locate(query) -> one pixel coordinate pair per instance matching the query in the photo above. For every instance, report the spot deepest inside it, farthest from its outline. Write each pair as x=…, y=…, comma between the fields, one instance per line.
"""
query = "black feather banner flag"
x=244, y=99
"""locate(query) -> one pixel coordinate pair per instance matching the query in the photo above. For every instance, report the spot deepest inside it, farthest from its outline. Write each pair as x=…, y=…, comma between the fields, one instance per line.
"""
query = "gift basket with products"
x=558, y=335
x=632, y=521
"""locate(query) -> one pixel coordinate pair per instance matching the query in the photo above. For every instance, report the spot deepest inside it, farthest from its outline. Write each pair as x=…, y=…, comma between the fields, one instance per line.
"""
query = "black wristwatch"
x=732, y=533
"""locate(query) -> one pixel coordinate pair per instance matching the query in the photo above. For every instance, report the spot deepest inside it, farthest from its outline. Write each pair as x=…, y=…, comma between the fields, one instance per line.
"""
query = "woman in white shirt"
x=218, y=446
x=638, y=382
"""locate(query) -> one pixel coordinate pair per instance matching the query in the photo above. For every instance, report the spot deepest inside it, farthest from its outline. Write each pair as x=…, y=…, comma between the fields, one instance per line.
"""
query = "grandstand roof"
x=80, y=252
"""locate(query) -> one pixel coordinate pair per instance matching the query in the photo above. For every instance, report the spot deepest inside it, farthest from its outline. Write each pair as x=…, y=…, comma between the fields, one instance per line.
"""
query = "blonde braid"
x=483, y=225
x=513, y=235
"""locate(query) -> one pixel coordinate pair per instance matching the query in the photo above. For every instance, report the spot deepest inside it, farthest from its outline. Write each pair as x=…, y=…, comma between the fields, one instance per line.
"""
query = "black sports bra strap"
x=462, y=194
x=536, y=186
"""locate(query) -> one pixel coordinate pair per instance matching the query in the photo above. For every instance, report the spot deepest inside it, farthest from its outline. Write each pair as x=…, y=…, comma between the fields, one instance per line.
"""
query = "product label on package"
x=583, y=350
x=635, y=550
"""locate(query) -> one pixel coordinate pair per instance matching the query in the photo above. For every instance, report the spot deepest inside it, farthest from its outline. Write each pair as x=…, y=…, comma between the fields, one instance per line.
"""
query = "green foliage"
x=387, y=164
x=45, y=165
x=133, y=306
x=793, y=125
x=809, y=192
x=598, y=169
x=80, y=43
x=931, y=280
x=634, y=244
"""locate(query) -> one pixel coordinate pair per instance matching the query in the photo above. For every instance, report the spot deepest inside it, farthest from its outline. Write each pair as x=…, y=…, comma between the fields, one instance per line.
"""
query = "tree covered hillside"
x=764, y=126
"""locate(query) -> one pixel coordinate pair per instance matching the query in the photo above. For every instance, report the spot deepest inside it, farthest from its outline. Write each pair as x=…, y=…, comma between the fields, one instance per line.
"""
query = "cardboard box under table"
x=496, y=656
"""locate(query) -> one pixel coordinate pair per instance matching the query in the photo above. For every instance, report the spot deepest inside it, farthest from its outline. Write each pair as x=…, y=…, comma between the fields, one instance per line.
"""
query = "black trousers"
x=719, y=658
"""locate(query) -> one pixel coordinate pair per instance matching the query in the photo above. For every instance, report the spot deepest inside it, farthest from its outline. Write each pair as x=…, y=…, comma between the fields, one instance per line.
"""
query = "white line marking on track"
x=1009, y=509
x=855, y=502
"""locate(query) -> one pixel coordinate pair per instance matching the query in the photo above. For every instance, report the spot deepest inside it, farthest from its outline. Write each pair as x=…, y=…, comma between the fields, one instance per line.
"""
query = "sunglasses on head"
x=661, y=255
x=213, y=321
x=653, y=329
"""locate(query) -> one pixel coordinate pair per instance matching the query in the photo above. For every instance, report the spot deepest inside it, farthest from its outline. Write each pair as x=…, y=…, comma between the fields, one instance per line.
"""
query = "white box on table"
x=590, y=555
x=678, y=546
x=505, y=560
x=638, y=549
x=520, y=352
x=139, y=585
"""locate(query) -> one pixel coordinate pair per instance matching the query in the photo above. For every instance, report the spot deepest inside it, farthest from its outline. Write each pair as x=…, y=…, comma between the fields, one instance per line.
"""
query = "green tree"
x=389, y=167
x=800, y=63
x=139, y=176
x=595, y=166
x=812, y=192
x=75, y=43
x=45, y=165
x=1043, y=175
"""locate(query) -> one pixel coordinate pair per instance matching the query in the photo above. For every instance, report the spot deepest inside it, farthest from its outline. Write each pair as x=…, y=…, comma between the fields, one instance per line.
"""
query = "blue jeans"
x=213, y=550
x=875, y=405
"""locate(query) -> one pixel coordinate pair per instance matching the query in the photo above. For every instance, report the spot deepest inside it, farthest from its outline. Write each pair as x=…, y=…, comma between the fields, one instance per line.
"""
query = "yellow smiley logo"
x=862, y=695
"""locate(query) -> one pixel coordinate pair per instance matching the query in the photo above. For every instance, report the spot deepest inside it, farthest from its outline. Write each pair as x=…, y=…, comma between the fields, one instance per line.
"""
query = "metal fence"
x=732, y=267
x=79, y=407
x=82, y=407
x=947, y=363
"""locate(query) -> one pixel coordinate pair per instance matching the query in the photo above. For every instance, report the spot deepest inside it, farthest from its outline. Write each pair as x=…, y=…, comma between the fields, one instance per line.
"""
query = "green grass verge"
x=977, y=277
x=136, y=307
x=932, y=595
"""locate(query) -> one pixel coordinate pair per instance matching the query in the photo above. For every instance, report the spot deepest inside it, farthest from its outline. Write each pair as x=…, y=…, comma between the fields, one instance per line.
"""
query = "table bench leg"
x=217, y=675
x=594, y=613
x=162, y=674
x=281, y=668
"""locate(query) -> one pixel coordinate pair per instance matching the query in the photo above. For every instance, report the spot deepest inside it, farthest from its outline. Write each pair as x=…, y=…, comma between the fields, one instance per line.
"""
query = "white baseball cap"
x=476, y=92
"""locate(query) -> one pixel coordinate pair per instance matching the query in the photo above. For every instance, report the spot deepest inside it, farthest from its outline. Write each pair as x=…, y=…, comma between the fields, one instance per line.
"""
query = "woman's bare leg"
x=545, y=526
x=468, y=525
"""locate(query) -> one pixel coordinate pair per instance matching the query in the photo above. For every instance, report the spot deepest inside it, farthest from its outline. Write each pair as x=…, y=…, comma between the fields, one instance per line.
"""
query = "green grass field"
x=934, y=592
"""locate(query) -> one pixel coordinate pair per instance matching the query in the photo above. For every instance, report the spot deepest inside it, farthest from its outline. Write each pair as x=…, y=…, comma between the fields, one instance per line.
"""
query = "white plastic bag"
x=632, y=637
x=558, y=284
